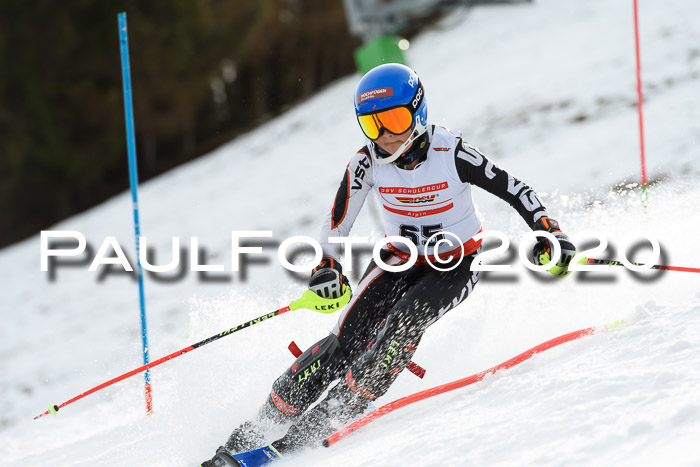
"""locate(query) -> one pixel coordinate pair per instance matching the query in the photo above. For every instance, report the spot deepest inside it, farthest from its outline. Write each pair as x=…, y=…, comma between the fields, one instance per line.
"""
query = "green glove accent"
x=311, y=301
x=53, y=410
x=559, y=271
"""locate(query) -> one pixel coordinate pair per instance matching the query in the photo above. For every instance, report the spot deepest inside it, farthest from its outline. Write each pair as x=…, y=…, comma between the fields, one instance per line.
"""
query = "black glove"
x=542, y=252
x=328, y=280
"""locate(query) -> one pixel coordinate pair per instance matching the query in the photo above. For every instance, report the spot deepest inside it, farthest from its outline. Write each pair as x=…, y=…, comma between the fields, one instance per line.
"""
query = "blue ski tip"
x=257, y=457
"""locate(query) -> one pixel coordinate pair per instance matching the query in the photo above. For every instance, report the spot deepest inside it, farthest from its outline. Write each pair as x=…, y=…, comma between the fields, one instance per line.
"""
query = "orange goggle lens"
x=396, y=121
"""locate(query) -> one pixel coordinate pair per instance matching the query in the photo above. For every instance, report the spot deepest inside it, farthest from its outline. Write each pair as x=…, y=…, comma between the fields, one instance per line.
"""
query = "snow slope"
x=547, y=89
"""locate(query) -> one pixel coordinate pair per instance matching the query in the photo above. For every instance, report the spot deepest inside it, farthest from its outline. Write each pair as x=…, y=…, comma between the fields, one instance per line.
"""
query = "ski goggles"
x=397, y=121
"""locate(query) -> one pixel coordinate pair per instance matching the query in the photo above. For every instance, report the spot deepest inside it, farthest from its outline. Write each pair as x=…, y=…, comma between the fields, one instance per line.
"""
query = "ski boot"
x=221, y=459
x=249, y=435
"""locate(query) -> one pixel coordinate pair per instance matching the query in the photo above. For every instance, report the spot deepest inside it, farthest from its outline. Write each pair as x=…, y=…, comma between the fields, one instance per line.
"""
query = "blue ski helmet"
x=388, y=87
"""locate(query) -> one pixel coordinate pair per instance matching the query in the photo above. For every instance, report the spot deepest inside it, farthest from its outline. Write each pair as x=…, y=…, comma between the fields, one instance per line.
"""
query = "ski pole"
x=656, y=266
x=308, y=300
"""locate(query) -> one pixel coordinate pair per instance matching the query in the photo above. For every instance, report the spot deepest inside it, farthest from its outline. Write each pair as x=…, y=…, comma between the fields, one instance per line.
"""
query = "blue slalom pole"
x=134, y=181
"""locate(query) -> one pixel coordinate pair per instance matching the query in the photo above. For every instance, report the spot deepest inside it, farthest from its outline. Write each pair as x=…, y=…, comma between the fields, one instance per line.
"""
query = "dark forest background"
x=202, y=72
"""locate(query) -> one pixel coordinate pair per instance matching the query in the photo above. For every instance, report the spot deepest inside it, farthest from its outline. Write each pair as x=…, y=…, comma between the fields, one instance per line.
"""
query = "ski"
x=254, y=458
x=257, y=457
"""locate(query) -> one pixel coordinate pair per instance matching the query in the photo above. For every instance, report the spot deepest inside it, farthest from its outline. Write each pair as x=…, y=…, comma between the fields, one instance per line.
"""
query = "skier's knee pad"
x=308, y=377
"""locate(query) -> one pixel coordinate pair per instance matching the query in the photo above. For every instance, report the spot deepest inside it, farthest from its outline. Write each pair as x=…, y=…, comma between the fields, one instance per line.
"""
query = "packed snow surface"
x=548, y=90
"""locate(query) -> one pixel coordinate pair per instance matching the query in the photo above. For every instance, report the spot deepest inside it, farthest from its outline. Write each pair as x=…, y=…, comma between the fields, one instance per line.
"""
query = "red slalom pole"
x=640, y=98
x=419, y=396
x=308, y=300
x=655, y=266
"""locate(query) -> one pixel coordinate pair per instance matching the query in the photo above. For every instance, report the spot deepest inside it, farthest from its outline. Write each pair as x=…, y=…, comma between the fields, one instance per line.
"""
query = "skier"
x=422, y=175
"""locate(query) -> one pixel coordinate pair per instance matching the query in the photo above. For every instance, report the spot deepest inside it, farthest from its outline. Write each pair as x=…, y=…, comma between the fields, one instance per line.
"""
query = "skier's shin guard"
x=304, y=382
x=371, y=375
